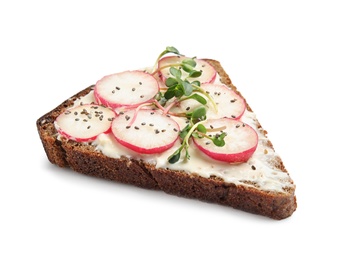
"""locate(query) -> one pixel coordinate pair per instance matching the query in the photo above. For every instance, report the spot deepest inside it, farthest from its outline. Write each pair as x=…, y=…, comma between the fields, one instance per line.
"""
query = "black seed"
x=143, y=123
x=88, y=127
x=151, y=124
x=211, y=126
x=157, y=131
x=77, y=119
x=237, y=126
x=233, y=100
x=133, y=89
x=253, y=167
x=67, y=112
x=163, y=130
x=121, y=113
x=136, y=127
x=127, y=117
x=113, y=91
x=207, y=143
x=118, y=88
x=75, y=113
x=110, y=119
x=85, y=120
x=152, y=113
x=188, y=108
x=127, y=127
x=233, y=116
x=142, y=96
x=175, y=130
x=140, y=83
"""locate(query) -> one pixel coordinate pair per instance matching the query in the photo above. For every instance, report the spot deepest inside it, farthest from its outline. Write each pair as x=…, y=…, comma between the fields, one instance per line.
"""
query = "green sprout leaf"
x=199, y=114
x=218, y=140
x=179, y=92
x=175, y=156
x=202, y=129
x=175, y=72
x=171, y=82
x=196, y=83
x=189, y=62
x=170, y=93
x=171, y=49
x=198, y=98
x=195, y=73
x=187, y=87
x=188, y=65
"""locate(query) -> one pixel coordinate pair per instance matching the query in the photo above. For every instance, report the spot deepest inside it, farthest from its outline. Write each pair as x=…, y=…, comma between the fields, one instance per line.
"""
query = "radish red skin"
x=146, y=150
x=229, y=158
x=63, y=133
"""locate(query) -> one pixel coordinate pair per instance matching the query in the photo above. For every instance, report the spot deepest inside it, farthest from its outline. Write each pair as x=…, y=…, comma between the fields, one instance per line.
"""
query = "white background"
x=284, y=56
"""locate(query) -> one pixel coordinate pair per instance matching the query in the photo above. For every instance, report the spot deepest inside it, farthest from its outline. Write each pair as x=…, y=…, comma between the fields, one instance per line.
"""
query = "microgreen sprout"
x=182, y=85
x=196, y=129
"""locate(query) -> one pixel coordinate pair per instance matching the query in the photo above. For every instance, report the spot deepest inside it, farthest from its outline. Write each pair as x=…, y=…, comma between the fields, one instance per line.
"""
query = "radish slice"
x=208, y=72
x=240, y=142
x=128, y=88
x=145, y=131
x=84, y=123
x=229, y=103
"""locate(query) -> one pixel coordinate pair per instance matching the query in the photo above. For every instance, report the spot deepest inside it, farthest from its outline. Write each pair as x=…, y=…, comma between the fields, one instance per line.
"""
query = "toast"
x=259, y=184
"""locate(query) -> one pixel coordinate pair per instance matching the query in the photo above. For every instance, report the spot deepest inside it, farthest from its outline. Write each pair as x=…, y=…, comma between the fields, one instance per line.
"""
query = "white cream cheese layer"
x=258, y=171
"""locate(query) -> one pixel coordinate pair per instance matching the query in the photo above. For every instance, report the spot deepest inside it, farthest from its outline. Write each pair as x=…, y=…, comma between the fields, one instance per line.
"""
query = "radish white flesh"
x=208, y=72
x=240, y=142
x=145, y=131
x=229, y=104
x=128, y=88
x=84, y=123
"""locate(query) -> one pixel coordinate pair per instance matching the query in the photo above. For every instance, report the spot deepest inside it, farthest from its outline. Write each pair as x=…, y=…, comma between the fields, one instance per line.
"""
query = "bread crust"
x=83, y=158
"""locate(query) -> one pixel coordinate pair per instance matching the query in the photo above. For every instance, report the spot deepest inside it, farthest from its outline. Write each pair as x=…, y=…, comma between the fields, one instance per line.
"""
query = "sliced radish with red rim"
x=84, y=123
x=145, y=131
x=128, y=88
x=240, y=141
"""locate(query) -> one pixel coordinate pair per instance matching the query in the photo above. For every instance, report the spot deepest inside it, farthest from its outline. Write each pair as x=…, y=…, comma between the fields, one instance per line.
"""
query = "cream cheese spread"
x=258, y=171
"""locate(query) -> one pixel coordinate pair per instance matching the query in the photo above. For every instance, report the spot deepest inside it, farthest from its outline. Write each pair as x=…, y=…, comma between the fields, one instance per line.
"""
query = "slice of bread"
x=261, y=185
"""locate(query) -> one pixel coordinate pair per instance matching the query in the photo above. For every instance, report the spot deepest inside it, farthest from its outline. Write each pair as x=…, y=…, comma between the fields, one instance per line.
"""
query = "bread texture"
x=86, y=159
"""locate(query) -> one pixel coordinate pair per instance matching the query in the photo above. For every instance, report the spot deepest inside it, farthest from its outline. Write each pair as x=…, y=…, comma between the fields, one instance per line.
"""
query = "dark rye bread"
x=83, y=158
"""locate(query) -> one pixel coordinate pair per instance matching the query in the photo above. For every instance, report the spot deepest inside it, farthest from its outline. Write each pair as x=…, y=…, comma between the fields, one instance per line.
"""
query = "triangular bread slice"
x=261, y=186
